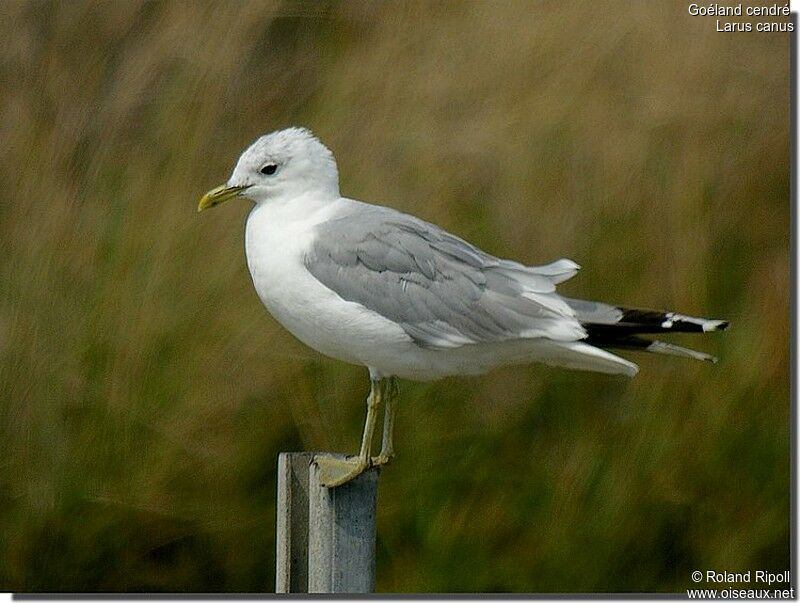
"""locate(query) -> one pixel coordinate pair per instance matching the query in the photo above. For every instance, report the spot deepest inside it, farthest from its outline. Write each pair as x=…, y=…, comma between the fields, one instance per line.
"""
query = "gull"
x=375, y=287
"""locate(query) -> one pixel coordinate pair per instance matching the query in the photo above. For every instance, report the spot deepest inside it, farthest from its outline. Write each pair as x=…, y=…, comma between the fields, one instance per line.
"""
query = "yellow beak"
x=219, y=195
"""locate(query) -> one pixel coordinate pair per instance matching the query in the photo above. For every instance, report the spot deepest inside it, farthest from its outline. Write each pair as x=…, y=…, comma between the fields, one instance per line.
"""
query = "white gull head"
x=284, y=164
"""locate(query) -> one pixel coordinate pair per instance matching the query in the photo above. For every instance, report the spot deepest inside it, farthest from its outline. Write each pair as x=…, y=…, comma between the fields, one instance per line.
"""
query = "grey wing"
x=441, y=290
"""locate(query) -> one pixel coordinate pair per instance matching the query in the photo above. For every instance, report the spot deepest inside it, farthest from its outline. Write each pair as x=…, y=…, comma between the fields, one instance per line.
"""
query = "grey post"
x=325, y=536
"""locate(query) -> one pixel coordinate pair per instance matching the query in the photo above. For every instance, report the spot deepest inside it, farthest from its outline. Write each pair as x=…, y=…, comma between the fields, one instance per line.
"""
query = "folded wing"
x=441, y=290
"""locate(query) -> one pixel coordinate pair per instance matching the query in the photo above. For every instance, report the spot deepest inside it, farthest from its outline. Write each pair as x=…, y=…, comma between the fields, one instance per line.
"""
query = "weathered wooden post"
x=325, y=536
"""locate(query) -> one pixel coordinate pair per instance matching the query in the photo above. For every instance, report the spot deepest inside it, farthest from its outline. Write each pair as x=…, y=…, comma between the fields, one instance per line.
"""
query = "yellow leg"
x=335, y=472
x=390, y=409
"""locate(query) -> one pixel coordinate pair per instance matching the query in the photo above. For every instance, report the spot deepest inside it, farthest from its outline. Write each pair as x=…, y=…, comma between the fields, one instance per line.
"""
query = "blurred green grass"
x=146, y=392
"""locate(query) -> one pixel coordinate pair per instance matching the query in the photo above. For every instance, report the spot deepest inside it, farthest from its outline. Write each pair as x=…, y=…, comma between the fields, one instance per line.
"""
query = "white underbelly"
x=349, y=332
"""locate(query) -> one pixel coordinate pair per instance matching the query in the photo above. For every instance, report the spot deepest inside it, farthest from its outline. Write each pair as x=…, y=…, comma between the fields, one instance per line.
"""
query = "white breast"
x=276, y=239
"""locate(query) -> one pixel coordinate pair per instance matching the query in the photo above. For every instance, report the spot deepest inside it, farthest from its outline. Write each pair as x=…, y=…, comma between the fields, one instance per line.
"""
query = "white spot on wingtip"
x=712, y=325
x=704, y=323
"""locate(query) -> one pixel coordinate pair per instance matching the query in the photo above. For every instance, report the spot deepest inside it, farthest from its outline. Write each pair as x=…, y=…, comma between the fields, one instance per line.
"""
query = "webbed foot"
x=335, y=472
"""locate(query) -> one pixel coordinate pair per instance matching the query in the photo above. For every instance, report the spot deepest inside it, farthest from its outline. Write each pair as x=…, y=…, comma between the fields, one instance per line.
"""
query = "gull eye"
x=269, y=169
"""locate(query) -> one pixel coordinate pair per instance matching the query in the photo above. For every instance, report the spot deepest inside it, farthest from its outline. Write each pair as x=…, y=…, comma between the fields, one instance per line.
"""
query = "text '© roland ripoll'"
x=719, y=10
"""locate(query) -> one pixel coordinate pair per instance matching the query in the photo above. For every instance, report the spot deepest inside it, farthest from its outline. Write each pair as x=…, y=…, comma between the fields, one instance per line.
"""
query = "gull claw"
x=381, y=459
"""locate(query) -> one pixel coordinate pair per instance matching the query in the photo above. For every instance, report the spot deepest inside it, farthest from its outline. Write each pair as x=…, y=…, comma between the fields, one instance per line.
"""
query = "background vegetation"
x=146, y=393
